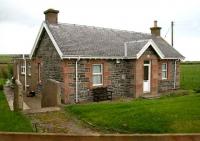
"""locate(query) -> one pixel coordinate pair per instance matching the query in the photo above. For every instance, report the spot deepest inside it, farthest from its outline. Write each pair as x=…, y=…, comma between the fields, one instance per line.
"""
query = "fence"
x=5, y=136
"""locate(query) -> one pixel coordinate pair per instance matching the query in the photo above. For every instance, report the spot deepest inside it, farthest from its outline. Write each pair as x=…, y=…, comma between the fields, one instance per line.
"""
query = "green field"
x=6, y=58
x=177, y=114
x=12, y=121
x=190, y=76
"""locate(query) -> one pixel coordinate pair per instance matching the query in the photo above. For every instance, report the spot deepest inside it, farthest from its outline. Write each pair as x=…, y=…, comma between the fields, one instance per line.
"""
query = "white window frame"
x=164, y=71
x=29, y=69
x=23, y=68
x=97, y=74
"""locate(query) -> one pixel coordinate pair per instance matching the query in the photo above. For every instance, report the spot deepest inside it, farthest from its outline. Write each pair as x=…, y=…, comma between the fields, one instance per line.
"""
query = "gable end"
x=43, y=28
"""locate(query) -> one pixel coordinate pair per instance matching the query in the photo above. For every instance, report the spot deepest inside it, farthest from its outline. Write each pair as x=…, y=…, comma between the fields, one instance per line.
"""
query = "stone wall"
x=118, y=77
x=168, y=84
x=49, y=60
x=122, y=78
x=18, y=63
x=148, y=55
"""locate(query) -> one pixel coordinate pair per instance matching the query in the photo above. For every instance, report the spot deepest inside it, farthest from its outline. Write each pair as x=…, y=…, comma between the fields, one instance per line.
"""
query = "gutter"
x=76, y=97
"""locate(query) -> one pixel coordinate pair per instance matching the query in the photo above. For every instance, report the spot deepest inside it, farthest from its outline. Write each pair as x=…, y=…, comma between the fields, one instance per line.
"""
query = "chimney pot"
x=155, y=30
x=155, y=23
x=51, y=16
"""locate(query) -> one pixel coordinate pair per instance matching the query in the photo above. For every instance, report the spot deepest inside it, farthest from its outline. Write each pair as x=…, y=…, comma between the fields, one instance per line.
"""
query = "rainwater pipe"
x=24, y=72
x=125, y=49
x=76, y=98
x=175, y=73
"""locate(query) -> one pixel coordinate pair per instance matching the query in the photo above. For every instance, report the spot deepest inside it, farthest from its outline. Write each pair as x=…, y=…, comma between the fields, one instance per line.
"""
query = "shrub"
x=4, y=73
x=10, y=71
x=1, y=87
x=197, y=90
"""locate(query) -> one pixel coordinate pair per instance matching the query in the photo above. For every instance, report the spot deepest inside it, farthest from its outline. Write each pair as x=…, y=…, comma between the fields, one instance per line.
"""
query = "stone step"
x=150, y=96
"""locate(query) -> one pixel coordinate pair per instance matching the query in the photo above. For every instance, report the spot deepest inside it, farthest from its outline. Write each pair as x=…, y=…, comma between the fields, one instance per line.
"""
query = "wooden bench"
x=101, y=93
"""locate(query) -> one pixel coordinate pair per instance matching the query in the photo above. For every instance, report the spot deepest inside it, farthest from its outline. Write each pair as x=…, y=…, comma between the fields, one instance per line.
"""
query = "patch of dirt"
x=58, y=122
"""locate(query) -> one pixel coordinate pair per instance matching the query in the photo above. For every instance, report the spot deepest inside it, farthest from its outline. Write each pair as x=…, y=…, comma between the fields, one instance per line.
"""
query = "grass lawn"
x=176, y=114
x=12, y=121
x=190, y=76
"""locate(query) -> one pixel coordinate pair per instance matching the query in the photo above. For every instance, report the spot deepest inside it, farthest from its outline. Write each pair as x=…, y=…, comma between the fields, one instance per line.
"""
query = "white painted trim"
x=175, y=69
x=93, y=57
x=36, y=40
x=125, y=49
x=44, y=26
x=155, y=47
x=166, y=71
x=53, y=41
x=98, y=74
x=76, y=73
x=149, y=77
x=25, y=75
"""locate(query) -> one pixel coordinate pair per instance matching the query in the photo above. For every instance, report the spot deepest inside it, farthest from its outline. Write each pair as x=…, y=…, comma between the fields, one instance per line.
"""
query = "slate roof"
x=80, y=40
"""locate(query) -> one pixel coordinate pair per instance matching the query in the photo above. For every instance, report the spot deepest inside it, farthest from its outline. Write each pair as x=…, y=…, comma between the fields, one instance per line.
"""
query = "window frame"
x=22, y=66
x=97, y=74
x=164, y=71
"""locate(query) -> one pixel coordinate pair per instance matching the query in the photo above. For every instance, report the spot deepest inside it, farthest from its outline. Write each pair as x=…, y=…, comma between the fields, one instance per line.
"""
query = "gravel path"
x=58, y=122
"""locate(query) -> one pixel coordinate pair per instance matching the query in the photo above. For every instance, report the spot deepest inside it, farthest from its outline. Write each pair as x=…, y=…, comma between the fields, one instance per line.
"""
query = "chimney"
x=155, y=30
x=51, y=16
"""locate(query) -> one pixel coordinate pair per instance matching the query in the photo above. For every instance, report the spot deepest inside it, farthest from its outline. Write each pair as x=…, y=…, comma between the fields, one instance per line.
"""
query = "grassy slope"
x=190, y=76
x=6, y=58
x=173, y=114
x=12, y=121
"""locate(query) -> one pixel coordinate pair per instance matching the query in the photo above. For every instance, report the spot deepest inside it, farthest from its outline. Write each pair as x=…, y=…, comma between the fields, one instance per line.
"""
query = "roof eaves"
x=96, y=57
x=37, y=39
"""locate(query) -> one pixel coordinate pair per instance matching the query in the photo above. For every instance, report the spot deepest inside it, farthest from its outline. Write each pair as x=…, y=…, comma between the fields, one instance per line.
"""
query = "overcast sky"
x=20, y=20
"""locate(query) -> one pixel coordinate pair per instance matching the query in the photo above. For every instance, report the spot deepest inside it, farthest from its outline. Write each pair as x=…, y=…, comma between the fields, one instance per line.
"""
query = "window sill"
x=96, y=85
x=164, y=79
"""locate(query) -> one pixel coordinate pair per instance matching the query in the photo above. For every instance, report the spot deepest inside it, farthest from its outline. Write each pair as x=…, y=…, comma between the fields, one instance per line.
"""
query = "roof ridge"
x=138, y=40
x=98, y=27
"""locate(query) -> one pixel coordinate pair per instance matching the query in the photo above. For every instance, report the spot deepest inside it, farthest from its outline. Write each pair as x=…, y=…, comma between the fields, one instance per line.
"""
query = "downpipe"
x=76, y=97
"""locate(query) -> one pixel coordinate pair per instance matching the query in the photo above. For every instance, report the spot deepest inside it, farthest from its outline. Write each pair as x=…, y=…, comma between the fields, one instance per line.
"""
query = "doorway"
x=147, y=76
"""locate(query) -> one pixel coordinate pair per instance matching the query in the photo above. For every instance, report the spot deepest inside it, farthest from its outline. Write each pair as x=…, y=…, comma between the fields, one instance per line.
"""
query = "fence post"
x=18, y=96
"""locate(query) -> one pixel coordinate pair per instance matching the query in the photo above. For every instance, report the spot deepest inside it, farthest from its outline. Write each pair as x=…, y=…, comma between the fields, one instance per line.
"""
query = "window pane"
x=164, y=75
x=146, y=73
x=164, y=66
x=96, y=68
x=97, y=79
x=146, y=62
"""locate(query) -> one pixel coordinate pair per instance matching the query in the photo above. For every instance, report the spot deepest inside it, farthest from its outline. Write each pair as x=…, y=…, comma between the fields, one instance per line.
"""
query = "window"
x=29, y=69
x=97, y=74
x=23, y=68
x=164, y=71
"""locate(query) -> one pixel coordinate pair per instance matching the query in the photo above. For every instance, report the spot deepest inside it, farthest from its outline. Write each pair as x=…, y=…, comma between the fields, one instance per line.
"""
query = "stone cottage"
x=130, y=64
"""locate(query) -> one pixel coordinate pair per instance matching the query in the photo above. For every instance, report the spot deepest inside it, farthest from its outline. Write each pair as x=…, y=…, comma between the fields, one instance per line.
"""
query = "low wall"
x=5, y=136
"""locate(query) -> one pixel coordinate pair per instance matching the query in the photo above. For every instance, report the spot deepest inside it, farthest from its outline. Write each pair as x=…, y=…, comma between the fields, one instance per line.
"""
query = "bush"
x=1, y=87
x=4, y=73
x=197, y=90
x=10, y=71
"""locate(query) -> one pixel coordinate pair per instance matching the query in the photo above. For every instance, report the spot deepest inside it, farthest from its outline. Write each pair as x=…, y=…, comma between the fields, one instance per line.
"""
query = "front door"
x=147, y=76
